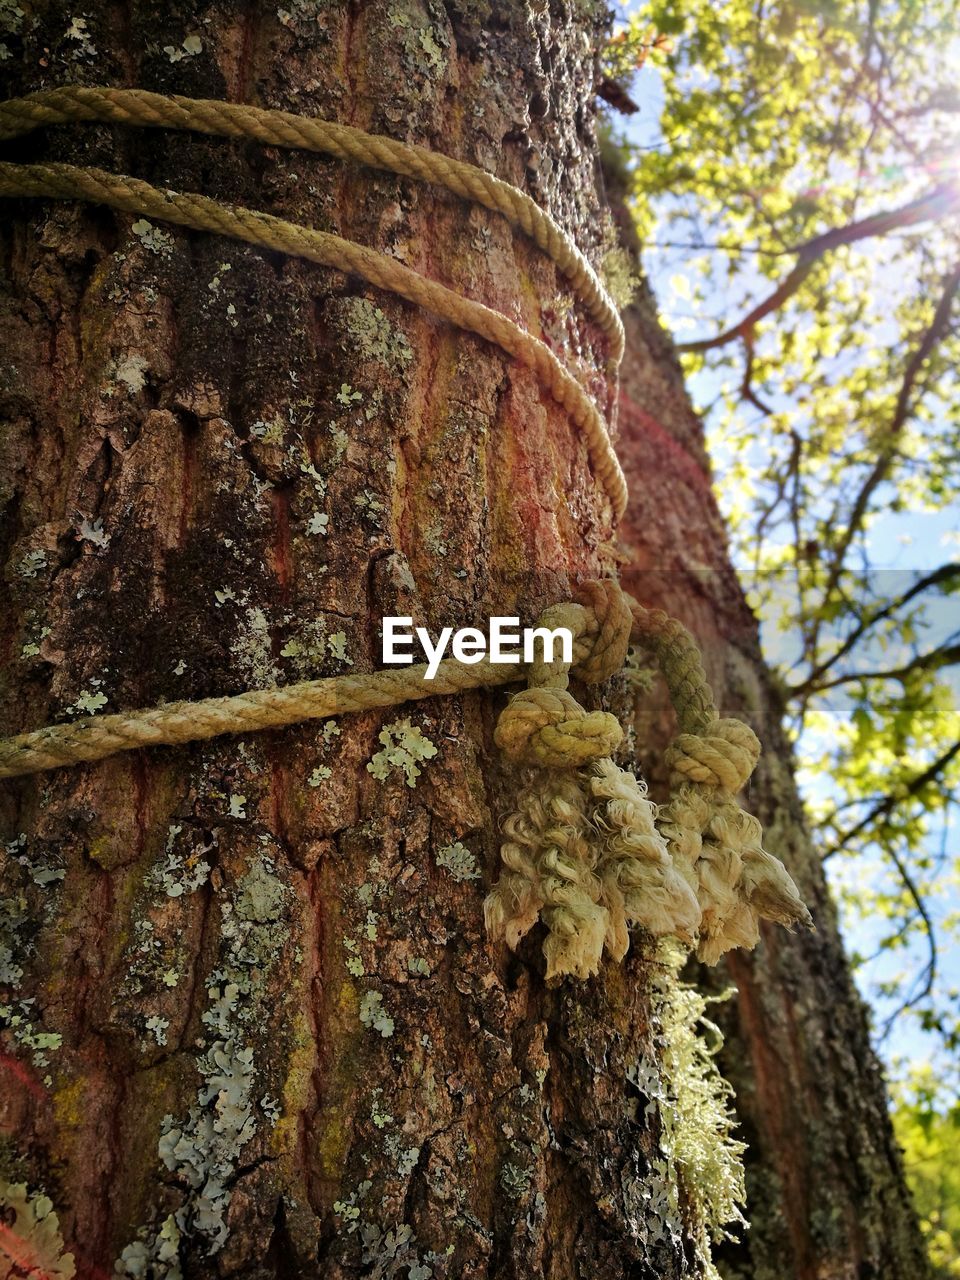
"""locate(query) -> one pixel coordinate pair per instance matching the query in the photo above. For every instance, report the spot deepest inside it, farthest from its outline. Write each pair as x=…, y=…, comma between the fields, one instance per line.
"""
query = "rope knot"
x=605, y=599
x=549, y=727
x=724, y=756
x=555, y=674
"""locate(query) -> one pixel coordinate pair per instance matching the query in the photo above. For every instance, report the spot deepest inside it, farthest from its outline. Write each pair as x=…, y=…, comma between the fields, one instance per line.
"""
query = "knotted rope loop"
x=549, y=727
x=717, y=846
x=606, y=601
x=724, y=756
x=680, y=662
x=545, y=725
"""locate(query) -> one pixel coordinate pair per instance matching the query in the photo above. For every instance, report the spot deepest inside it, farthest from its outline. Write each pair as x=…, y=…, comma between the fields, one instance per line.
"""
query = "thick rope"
x=545, y=725
x=679, y=659
x=96, y=737
x=66, y=182
x=284, y=129
x=594, y=642
x=583, y=853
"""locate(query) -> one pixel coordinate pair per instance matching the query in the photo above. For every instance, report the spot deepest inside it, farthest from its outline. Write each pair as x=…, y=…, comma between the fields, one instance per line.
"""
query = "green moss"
x=617, y=269
x=102, y=851
x=70, y=1104
x=332, y=1142
x=296, y=1088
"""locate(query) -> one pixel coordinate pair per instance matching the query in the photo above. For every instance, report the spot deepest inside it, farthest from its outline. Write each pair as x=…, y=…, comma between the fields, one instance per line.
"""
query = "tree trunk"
x=254, y=1027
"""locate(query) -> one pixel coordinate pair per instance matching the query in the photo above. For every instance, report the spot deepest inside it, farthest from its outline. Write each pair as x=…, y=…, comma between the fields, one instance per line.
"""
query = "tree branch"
x=945, y=573
x=901, y=413
x=945, y=656
x=890, y=802
x=937, y=202
x=931, y=969
x=944, y=98
x=746, y=386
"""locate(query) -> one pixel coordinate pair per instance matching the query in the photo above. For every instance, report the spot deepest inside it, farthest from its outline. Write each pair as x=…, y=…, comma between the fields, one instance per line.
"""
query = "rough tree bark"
x=253, y=1026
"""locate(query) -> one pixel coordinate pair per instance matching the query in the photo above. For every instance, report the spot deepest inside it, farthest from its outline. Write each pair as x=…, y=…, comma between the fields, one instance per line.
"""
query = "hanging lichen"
x=692, y=1103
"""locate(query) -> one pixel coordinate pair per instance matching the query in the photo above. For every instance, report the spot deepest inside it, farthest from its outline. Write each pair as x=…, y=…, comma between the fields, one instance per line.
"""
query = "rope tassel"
x=642, y=886
x=550, y=874
x=715, y=844
x=583, y=851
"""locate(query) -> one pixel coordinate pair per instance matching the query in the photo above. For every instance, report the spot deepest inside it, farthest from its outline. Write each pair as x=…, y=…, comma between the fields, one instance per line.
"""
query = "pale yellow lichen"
x=31, y=1243
x=693, y=1101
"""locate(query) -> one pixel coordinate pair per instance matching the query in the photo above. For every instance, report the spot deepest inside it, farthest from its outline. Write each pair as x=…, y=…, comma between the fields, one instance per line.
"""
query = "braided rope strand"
x=96, y=737
x=285, y=129
x=67, y=182
x=680, y=662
